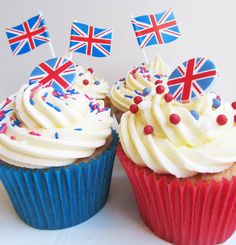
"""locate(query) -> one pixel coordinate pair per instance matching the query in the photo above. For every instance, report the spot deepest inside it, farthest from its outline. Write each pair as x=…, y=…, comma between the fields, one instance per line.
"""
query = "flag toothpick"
x=155, y=29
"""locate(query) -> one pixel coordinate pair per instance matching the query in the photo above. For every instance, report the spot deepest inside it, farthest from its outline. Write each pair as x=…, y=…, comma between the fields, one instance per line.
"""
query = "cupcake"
x=139, y=82
x=57, y=151
x=180, y=160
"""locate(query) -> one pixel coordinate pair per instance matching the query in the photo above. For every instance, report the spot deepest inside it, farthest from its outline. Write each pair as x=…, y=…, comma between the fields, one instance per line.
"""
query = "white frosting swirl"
x=47, y=129
x=190, y=147
x=139, y=78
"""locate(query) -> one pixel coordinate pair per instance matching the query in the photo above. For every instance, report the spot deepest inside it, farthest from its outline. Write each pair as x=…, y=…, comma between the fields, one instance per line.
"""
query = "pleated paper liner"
x=183, y=213
x=59, y=198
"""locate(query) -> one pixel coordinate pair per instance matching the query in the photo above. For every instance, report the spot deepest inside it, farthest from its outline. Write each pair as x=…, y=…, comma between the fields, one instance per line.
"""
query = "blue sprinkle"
x=128, y=96
x=146, y=91
x=78, y=129
x=46, y=94
x=32, y=82
x=57, y=108
x=56, y=135
x=50, y=104
x=81, y=74
x=216, y=103
x=157, y=76
x=195, y=114
x=137, y=92
x=31, y=101
x=97, y=82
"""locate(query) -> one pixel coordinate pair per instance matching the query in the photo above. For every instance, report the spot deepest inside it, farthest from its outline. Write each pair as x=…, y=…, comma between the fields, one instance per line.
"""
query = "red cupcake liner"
x=183, y=213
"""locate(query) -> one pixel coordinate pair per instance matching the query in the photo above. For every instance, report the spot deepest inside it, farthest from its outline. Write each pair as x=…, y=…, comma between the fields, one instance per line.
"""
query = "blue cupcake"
x=57, y=152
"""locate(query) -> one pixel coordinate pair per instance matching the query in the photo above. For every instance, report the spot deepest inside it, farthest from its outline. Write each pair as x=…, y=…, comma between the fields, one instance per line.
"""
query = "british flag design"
x=155, y=28
x=90, y=40
x=58, y=72
x=192, y=79
x=28, y=35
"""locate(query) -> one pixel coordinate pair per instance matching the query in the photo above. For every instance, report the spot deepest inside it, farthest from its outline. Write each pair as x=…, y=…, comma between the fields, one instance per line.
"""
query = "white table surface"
x=117, y=223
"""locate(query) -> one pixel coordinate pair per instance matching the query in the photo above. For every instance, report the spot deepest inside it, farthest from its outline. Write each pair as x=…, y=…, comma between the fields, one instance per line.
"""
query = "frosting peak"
x=186, y=138
x=45, y=128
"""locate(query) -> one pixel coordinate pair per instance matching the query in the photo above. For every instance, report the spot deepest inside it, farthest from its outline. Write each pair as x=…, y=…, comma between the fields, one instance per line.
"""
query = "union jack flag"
x=27, y=36
x=58, y=72
x=192, y=79
x=155, y=28
x=90, y=40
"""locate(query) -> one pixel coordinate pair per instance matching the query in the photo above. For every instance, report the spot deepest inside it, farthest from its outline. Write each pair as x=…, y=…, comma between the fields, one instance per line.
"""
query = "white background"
x=207, y=29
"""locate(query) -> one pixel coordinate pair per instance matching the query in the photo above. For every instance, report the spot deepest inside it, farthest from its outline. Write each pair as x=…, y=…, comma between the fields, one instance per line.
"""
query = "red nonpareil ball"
x=85, y=82
x=174, y=119
x=133, y=108
x=234, y=105
x=168, y=97
x=160, y=89
x=148, y=129
x=90, y=70
x=138, y=99
x=221, y=120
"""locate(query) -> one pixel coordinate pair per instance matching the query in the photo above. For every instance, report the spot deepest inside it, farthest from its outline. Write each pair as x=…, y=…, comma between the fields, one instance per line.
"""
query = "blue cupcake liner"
x=58, y=198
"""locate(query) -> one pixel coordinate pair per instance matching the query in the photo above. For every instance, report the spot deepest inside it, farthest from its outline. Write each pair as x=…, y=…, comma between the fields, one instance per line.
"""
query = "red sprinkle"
x=133, y=108
x=160, y=89
x=234, y=118
x=34, y=133
x=90, y=70
x=158, y=82
x=218, y=97
x=137, y=99
x=221, y=120
x=13, y=137
x=148, y=129
x=168, y=97
x=234, y=105
x=174, y=119
x=85, y=82
x=2, y=113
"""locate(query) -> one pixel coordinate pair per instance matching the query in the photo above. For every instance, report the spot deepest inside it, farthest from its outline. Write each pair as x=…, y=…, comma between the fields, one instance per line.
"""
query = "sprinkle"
x=146, y=91
x=56, y=135
x=157, y=76
x=85, y=82
x=34, y=133
x=128, y=96
x=137, y=92
x=31, y=101
x=13, y=137
x=32, y=82
x=3, y=128
x=195, y=114
x=234, y=118
x=133, y=108
x=49, y=104
x=97, y=82
x=148, y=129
x=218, y=97
x=160, y=89
x=234, y=105
x=174, y=119
x=158, y=82
x=137, y=99
x=78, y=129
x=122, y=79
x=90, y=70
x=221, y=120
x=57, y=108
x=168, y=97
x=81, y=74
x=216, y=103
x=16, y=122
x=46, y=94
